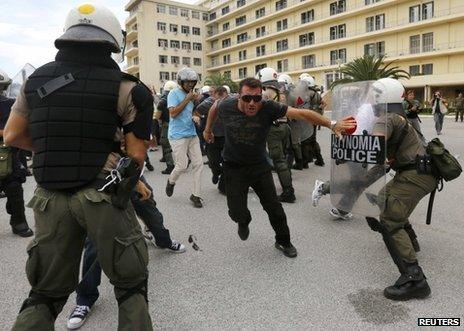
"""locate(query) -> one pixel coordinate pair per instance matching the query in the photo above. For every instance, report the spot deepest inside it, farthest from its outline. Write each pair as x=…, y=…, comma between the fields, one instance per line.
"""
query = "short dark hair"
x=250, y=82
x=221, y=90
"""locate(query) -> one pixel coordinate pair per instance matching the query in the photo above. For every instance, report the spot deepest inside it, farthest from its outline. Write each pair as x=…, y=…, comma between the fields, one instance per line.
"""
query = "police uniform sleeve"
x=277, y=110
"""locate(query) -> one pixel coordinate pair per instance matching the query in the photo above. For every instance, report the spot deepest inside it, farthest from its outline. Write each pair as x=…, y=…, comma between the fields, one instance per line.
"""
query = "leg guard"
x=38, y=299
x=377, y=226
x=141, y=288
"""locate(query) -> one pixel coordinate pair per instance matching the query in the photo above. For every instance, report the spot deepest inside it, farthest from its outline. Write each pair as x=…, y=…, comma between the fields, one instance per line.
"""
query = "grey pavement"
x=336, y=281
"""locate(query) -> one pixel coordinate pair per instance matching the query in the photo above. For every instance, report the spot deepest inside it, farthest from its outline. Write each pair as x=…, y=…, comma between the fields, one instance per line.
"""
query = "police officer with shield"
x=12, y=171
x=278, y=139
x=74, y=113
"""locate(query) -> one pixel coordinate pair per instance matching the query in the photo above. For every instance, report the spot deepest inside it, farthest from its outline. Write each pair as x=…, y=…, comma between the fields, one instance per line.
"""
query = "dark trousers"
x=87, y=290
x=13, y=190
x=238, y=179
x=214, y=153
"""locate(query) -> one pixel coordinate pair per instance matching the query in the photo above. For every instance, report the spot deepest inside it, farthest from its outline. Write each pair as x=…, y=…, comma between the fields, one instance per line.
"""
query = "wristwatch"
x=333, y=123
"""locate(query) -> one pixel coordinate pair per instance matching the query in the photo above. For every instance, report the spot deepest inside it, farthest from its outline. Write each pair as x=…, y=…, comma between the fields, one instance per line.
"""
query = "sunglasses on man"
x=247, y=98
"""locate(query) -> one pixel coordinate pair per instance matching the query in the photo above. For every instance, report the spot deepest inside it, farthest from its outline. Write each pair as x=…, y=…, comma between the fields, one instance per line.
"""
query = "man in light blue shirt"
x=182, y=134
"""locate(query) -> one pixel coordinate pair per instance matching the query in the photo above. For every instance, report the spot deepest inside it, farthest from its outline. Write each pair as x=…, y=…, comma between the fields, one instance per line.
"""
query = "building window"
x=185, y=29
x=186, y=61
x=175, y=60
x=173, y=10
x=307, y=16
x=427, y=42
x=337, y=31
x=306, y=39
x=331, y=77
x=225, y=10
x=196, y=14
x=226, y=43
x=370, y=2
x=242, y=37
x=338, y=56
x=226, y=59
x=162, y=43
x=261, y=50
x=206, y=17
x=175, y=44
x=414, y=44
x=163, y=59
x=242, y=73
x=282, y=65
x=164, y=75
x=196, y=61
x=173, y=28
x=337, y=7
x=427, y=69
x=240, y=20
x=160, y=8
x=282, y=45
x=260, y=32
x=282, y=25
x=196, y=31
x=212, y=16
x=414, y=70
x=281, y=4
x=260, y=12
x=135, y=60
x=225, y=26
x=161, y=26
x=427, y=11
x=375, y=49
x=241, y=3
x=259, y=67
x=197, y=46
x=186, y=45
x=375, y=23
x=308, y=61
x=227, y=74
x=416, y=14
x=242, y=55
x=174, y=76
x=184, y=13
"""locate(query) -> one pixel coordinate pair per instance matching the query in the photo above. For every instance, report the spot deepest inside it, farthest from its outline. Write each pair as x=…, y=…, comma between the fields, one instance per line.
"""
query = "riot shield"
x=300, y=97
x=18, y=81
x=358, y=159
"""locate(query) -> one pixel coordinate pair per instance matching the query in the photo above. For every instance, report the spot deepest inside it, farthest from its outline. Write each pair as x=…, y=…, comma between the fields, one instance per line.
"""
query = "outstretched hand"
x=343, y=125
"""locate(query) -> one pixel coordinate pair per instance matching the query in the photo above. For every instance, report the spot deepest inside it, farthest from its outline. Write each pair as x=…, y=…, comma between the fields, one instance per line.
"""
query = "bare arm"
x=16, y=133
x=135, y=148
x=212, y=116
x=174, y=111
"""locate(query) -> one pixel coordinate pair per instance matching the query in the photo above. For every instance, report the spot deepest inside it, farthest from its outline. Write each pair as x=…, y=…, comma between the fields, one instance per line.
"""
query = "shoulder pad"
x=126, y=76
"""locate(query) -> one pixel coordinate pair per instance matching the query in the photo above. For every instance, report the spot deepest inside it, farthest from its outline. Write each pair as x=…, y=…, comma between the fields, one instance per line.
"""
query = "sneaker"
x=22, y=230
x=243, y=231
x=176, y=247
x=169, y=188
x=340, y=215
x=77, y=317
x=289, y=251
x=317, y=192
x=196, y=201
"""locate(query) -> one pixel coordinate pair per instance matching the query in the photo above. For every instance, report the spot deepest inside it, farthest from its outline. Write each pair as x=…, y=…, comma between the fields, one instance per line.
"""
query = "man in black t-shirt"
x=247, y=120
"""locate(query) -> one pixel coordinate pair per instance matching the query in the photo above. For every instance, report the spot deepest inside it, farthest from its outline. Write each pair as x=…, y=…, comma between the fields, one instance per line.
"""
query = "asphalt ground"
x=336, y=281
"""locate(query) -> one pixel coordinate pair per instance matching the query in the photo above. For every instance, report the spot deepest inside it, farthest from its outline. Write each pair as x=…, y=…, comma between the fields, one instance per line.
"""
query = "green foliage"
x=220, y=80
x=369, y=67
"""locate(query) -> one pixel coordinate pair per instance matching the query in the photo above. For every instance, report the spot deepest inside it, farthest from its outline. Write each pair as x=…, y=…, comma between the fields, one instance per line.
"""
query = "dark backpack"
x=445, y=165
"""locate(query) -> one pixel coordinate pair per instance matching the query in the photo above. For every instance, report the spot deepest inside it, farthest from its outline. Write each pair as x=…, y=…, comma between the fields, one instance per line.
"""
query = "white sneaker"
x=317, y=192
x=337, y=215
x=77, y=317
x=176, y=247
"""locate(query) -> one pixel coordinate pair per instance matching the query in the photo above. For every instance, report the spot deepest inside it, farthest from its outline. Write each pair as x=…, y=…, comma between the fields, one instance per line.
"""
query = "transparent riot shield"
x=300, y=97
x=358, y=159
x=18, y=80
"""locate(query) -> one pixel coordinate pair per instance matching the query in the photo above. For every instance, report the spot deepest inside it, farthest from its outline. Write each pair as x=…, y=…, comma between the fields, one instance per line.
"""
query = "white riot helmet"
x=186, y=74
x=308, y=79
x=388, y=90
x=92, y=23
x=267, y=75
x=286, y=79
x=227, y=88
x=169, y=85
x=5, y=81
x=205, y=89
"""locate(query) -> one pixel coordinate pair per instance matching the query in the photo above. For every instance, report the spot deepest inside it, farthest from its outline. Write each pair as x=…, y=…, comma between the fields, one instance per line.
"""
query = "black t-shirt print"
x=245, y=136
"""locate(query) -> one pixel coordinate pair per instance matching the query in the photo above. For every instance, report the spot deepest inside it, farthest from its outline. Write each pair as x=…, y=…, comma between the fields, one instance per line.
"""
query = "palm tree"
x=369, y=67
x=219, y=79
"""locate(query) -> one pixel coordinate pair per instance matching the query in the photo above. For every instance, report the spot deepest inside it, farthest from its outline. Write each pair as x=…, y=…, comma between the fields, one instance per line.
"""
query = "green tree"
x=369, y=67
x=219, y=79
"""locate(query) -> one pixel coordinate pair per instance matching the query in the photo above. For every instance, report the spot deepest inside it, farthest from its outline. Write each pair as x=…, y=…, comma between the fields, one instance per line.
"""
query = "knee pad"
x=39, y=299
x=141, y=288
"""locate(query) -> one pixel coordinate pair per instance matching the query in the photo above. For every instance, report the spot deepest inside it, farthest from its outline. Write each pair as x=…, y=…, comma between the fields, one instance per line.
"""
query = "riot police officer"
x=74, y=113
x=12, y=170
x=278, y=139
x=162, y=114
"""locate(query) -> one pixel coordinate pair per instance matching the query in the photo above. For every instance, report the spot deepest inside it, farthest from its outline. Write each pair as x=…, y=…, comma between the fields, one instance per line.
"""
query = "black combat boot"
x=412, y=284
x=168, y=170
x=319, y=160
x=298, y=164
x=287, y=195
x=15, y=207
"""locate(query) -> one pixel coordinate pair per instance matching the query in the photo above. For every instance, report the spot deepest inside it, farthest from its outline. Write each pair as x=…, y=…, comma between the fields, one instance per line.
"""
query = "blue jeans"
x=87, y=290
